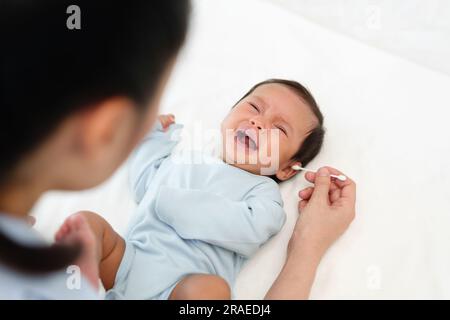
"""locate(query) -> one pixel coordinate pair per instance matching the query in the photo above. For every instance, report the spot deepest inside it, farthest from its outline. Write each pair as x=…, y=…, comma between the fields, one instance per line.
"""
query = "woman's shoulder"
x=14, y=284
x=62, y=285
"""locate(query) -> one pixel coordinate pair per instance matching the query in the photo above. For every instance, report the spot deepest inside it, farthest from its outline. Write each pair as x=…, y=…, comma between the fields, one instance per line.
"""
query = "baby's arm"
x=239, y=226
x=154, y=148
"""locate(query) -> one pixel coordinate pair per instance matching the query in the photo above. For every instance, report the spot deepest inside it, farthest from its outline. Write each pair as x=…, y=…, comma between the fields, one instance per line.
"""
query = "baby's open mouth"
x=248, y=138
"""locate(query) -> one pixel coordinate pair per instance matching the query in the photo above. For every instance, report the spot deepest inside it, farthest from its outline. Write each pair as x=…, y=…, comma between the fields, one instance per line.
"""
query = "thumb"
x=321, y=184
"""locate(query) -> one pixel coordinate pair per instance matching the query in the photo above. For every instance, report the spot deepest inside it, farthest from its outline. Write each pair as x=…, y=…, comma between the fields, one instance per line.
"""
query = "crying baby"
x=196, y=224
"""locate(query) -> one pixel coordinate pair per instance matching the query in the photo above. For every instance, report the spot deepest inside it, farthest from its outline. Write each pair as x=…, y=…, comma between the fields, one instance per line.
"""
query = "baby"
x=197, y=223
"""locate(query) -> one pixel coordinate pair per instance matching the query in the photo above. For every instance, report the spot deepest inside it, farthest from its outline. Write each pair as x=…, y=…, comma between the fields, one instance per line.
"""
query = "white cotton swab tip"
x=340, y=177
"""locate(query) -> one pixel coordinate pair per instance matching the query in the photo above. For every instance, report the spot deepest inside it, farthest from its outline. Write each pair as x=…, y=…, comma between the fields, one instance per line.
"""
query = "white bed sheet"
x=387, y=127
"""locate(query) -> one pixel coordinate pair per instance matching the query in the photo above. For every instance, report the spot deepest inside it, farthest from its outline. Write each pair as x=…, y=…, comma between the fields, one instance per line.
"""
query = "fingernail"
x=323, y=172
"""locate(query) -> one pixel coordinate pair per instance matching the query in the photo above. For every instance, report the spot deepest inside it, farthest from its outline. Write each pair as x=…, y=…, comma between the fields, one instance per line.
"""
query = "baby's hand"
x=166, y=120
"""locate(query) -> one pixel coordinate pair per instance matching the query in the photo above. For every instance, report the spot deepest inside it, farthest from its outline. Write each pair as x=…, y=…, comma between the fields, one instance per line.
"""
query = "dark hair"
x=312, y=144
x=49, y=71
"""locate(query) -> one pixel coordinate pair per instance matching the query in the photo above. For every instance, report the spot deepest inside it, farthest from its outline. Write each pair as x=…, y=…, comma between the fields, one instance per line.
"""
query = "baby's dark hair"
x=313, y=142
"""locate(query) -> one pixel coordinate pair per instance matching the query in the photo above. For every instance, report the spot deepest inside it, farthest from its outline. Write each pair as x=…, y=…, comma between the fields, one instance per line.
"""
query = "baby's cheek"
x=282, y=151
x=274, y=145
x=268, y=155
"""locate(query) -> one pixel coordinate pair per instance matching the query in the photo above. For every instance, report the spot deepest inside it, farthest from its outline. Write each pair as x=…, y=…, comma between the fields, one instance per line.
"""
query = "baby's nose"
x=254, y=123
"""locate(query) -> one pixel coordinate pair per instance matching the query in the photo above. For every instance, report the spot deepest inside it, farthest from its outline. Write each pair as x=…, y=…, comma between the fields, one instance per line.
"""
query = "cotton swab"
x=340, y=177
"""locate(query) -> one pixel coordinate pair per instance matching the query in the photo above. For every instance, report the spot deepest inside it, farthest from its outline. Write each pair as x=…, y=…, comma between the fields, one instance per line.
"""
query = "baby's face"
x=265, y=130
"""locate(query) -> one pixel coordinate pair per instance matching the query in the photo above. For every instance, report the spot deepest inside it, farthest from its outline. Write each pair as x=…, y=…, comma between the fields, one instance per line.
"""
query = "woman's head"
x=74, y=102
x=80, y=99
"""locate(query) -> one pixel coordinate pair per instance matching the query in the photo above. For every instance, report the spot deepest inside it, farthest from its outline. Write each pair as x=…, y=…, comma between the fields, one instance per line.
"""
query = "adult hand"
x=327, y=209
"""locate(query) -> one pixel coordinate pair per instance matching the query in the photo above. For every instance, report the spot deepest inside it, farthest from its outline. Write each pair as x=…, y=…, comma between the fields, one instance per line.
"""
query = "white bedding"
x=387, y=127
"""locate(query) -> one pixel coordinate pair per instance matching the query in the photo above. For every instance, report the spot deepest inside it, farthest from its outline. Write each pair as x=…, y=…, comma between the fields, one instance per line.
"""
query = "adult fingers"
x=311, y=177
x=335, y=195
x=321, y=185
x=306, y=193
x=302, y=204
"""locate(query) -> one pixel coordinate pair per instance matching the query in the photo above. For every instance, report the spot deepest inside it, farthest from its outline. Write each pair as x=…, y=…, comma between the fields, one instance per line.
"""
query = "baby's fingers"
x=166, y=120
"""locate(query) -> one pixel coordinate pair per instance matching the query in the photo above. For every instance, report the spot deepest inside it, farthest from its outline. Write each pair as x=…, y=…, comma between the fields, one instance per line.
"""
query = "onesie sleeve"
x=239, y=226
x=148, y=156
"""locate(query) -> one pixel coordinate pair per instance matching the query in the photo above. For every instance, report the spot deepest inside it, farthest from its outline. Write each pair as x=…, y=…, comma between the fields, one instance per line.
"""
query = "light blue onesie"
x=191, y=218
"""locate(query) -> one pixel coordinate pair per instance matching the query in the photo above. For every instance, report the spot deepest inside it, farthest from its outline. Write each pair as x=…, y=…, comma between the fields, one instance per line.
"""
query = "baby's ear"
x=287, y=172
